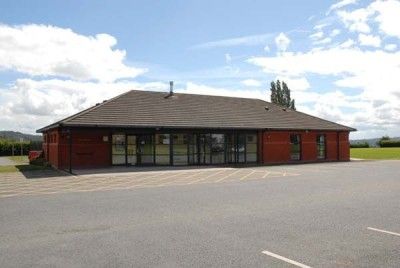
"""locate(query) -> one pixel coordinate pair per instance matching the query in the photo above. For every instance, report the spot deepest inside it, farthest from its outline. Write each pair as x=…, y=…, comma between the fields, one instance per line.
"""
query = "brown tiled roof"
x=154, y=109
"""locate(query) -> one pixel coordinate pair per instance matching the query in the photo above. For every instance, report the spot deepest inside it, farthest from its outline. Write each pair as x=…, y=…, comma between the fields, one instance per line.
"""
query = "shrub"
x=360, y=145
x=6, y=147
x=384, y=138
x=389, y=143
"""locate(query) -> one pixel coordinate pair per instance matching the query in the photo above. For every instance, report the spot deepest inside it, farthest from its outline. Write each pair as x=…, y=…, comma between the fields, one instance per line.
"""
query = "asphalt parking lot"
x=316, y=215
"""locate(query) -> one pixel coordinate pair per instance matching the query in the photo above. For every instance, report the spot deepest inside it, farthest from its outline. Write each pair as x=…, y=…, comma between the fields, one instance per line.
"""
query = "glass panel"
x=241, y=147
x=295, y=147
x=251, y=148
x=132, y=159
x=162, y=149
x=180, y=149
x=321, y=147
x=251, y=157
x=146, y=149
x=230, y=148
x=118, y=149
x=131, y=149
x=218, y=148
x=204, y=148
x=118, y=159
x=193, y=159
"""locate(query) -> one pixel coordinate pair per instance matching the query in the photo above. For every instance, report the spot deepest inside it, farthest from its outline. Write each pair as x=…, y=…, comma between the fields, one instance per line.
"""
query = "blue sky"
x=63, y=56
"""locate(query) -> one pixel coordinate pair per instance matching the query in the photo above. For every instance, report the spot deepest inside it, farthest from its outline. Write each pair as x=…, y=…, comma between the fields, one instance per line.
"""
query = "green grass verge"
x=21, y=168
x=375, y=153
x=19, y=159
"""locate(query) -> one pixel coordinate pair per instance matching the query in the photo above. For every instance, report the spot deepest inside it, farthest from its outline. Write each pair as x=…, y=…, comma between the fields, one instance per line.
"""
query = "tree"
x=384, y=138
x=273, y=92
x=280, y=94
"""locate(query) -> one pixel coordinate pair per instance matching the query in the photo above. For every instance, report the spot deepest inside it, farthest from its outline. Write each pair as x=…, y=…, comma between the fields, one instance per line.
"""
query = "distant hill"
x=15, y=136
x=371, y=142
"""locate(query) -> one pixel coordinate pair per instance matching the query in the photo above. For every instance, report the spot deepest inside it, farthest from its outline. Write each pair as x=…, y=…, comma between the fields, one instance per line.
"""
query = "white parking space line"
x=224, y=177
x=247, y=175
x=383, y=231
x=298, y=264
x=266, y=174
x=208, y=176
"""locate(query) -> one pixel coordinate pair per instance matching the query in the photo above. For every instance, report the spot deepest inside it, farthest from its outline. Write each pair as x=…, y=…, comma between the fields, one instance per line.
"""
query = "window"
x=118, y=149
x=205, y=148
x=145, y=145
x=162, y=149
x=218, y=148
x=230, y=148
x=251, y=148
x=131, y=149
x=321, y=147
x=180, y=149
x=295, y=147
x=193, y=153
x=241, y=148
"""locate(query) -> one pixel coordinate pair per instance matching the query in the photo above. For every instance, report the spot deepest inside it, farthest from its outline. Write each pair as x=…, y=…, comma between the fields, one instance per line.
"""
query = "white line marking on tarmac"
x=266, y=174
x=224, y=177
x=285, y=259
x=245, y=176
x=383, y=231
x=208, y=176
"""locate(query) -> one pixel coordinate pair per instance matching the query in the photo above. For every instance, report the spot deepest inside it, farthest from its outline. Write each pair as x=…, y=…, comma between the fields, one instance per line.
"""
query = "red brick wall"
x=51, y=147
x=344, y=146
x=88, y=149
x=276, y=146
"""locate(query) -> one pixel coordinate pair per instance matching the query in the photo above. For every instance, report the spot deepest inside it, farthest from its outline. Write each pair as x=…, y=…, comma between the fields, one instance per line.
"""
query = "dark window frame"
x=291, y=146
x=317, y=140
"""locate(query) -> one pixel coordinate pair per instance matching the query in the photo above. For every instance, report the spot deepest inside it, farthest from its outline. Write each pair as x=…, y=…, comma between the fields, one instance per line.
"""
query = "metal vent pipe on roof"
x=171, y=87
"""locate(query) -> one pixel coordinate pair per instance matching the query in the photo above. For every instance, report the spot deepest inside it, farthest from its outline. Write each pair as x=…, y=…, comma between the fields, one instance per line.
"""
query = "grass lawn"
x=375, y=153
x=19, y=159
x=21, y=164
x=15, y=168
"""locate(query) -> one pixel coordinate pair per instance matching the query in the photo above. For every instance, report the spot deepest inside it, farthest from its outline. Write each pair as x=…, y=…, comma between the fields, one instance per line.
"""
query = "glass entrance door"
x=131, y=149
x=204, y=145
x=193, y=150
x=145, y=149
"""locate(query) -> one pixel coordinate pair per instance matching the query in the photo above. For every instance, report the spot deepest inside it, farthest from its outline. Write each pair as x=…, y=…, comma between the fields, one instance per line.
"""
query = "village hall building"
x=141, y=128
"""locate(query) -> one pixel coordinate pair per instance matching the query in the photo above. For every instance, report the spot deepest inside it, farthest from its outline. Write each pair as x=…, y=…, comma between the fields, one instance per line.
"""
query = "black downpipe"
x=70, y=151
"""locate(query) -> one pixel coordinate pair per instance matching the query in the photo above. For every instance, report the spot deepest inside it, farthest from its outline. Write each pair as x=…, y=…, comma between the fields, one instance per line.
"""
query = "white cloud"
x=341, y=4
x=385, y=13
x=347, y=44
x=320, y=26
x=295, y=83
x=388, y=16
x=266, y=48
x=356, y=21
x=41, y=50
x=324, y=41
x=391, y=47
x=195, y=88
x=282, y=42
x=30, y=104
x=228, y=58
x=369, y=40
x=375, y=73
x=251, y=83
x=317, y=35
x=249, y=40
x=335, y=32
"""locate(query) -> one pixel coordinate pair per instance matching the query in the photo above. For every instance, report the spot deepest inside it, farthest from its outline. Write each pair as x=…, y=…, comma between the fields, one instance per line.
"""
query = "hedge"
x=6, y=147
x=389, y=143
x=360, y=145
